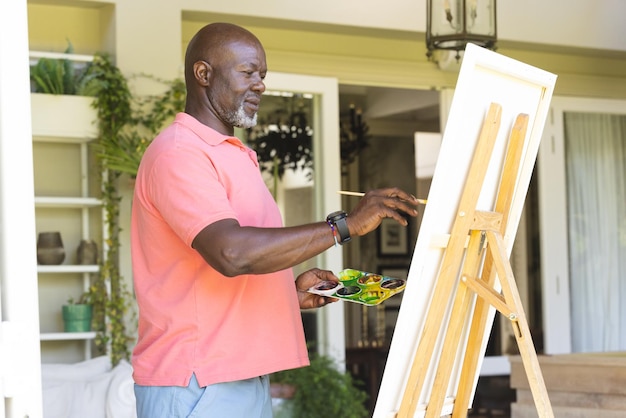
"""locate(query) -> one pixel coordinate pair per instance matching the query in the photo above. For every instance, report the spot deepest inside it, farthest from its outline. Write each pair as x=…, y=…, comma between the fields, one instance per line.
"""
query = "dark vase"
x=87, y=252
x=50, y=249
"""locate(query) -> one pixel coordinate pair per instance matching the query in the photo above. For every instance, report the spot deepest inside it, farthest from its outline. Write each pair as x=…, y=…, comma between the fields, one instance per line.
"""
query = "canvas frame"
x=485, y=77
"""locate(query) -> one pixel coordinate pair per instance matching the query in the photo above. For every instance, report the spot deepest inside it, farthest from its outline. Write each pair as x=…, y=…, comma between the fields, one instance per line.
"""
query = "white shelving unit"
x=66, y=201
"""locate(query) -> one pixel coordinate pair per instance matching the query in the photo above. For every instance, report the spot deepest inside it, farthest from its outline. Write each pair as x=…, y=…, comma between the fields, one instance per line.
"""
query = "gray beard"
x=240, y=119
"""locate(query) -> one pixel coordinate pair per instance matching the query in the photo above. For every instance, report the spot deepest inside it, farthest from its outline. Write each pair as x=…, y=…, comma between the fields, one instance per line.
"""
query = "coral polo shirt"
x=192, y=319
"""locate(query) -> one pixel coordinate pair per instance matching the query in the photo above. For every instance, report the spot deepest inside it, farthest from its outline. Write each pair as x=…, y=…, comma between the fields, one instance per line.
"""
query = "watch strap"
x=338, y=220
x=342, y=230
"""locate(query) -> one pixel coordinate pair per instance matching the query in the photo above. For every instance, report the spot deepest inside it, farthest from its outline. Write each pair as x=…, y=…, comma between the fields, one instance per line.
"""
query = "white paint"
x=20, y=376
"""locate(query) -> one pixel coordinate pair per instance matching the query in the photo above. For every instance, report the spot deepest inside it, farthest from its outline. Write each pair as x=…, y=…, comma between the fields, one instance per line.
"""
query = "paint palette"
x=360, y=287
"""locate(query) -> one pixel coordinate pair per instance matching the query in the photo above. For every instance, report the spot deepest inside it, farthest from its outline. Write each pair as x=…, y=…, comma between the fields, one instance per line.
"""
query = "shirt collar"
x=210, y=135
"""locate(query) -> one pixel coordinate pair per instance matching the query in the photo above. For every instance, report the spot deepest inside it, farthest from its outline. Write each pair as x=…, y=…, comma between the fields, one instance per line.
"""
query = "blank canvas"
x=485, y=77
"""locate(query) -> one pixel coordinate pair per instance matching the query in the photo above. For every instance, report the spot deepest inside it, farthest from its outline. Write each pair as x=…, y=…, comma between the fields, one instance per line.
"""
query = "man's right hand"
x=379, y=204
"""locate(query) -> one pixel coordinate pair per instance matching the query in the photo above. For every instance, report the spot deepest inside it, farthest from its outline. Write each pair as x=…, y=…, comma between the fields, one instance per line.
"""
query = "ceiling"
x=387, y=112
x=392, y=112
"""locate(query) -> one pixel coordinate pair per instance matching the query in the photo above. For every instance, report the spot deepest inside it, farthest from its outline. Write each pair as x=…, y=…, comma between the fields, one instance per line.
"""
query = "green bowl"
x=349, y=276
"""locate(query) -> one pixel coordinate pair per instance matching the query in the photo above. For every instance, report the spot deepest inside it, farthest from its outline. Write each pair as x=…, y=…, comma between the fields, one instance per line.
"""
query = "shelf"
x=69, y=269
x=63, y=129
x=66, y=202
x=51, y=138
x=67, y=336
x=36, y=55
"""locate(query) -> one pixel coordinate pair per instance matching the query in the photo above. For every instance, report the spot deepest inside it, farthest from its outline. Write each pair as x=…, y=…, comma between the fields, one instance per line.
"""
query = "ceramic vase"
x=50, y=249
x=87, y=252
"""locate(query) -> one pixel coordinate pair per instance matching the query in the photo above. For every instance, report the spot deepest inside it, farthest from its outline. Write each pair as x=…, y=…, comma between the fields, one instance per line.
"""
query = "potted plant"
x=61, y=97
x=62, y=76
x=77, y=315
x=321, y=391
x=67, y=98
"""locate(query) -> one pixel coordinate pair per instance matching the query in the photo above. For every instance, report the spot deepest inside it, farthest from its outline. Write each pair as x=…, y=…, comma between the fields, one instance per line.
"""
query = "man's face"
x=237, y=84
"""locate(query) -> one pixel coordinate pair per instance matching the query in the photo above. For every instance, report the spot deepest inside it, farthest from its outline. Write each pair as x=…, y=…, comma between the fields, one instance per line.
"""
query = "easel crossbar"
x=488, y=294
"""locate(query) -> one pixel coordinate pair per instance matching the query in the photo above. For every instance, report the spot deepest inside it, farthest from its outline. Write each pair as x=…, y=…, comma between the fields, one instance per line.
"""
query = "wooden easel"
x=485, y=247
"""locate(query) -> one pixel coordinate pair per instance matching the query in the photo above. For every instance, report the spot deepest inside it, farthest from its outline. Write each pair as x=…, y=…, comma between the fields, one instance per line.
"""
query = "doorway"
x=581, y=209
x=315, y=98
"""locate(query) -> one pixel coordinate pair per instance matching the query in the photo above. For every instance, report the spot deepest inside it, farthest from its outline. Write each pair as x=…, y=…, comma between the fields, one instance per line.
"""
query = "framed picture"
x=393, y=238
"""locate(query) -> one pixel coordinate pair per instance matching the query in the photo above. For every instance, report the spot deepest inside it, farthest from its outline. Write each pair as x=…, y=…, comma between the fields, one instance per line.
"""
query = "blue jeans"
x=241, y=399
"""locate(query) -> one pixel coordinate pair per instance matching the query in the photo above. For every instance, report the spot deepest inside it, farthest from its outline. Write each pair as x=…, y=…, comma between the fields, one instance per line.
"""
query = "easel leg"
x=520, y=327
x=509, y=305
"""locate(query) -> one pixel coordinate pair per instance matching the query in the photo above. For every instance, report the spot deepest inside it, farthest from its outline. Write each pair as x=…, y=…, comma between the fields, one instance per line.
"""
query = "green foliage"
x=59, y=76
x=113, y=104
x=123, y=151
x=113, y=97
x=284, y=139
x=155, y=111
x=323, y=391
x=84, y=299
x=123, y=154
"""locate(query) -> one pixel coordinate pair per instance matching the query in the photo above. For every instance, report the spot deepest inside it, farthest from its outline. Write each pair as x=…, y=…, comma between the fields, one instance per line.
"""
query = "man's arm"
x=234, y=250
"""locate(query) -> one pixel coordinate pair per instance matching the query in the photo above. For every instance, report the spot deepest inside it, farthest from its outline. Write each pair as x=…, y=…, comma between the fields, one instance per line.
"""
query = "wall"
x=360, y=43
x=371, y=44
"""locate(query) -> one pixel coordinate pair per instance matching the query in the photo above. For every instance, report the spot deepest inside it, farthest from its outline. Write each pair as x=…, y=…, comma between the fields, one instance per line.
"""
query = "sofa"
x=92, y=388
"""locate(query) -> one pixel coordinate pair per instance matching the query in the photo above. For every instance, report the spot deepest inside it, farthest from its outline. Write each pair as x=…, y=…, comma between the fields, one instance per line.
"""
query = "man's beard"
x=240, y=119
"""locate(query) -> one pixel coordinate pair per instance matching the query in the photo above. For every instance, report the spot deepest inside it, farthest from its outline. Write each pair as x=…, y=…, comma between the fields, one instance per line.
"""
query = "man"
x=218, y=305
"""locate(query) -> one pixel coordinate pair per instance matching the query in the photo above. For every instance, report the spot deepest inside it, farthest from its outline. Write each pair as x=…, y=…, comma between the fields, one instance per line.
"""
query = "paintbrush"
x=360, y=194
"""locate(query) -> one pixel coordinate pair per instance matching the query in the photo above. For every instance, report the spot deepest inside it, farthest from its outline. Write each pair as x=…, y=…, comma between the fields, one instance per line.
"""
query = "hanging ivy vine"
x=109, y=294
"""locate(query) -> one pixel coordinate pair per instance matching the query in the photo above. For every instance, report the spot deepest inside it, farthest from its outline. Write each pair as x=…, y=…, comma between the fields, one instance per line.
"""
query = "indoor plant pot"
x=77, y=317
x=63, y=115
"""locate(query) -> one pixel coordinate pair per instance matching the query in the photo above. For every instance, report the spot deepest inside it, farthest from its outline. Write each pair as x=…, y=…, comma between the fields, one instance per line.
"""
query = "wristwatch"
x=338, y=219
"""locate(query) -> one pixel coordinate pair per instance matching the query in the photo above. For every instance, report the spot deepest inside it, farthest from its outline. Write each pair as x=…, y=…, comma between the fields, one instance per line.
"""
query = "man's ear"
x=202, y=72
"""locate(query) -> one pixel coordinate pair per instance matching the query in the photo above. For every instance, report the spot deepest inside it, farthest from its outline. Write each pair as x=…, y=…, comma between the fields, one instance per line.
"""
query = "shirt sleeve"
x=187, y=192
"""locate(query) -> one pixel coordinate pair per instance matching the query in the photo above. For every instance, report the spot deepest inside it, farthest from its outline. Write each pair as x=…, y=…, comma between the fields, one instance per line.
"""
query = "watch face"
x=336, y=215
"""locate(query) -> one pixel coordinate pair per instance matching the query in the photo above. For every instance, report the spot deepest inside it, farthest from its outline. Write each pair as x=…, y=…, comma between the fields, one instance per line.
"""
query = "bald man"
x=219, y=308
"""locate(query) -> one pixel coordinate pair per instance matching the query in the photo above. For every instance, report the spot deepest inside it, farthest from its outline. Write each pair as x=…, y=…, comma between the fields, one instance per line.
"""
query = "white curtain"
x=596, y=195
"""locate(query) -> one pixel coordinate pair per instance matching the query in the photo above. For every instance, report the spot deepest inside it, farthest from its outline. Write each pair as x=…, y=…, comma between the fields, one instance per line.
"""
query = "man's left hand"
x=309, y=279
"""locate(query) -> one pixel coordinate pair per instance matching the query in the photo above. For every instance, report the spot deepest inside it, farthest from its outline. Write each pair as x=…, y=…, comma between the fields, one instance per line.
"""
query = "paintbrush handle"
x=361, y=194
